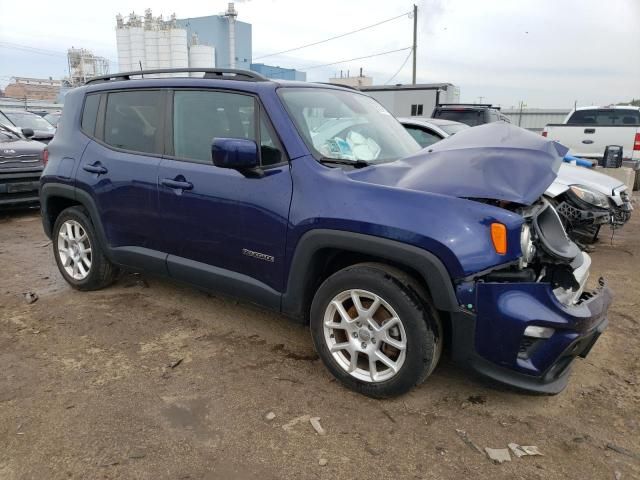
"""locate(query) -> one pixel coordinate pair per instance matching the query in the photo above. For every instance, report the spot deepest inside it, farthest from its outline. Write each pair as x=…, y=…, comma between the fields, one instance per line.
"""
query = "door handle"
x=589, y=130
x=95, y=168
x=176, y=184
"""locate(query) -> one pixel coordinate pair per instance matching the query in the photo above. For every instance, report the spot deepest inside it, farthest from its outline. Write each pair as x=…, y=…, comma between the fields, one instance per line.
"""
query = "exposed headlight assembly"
x=526, y=245
x=587, y=195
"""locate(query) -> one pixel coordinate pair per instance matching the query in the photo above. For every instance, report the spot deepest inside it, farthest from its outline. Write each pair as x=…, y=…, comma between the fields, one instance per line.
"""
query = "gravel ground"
x=147, y=379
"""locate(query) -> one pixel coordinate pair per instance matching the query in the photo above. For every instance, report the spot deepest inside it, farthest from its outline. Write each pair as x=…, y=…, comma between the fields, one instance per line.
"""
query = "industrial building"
x=279, y=73
x=230, y=37
x=413, y=100
x=202, y=42
x=535, y=119
x=83, y=65
x=355, y=82
x=33, y=88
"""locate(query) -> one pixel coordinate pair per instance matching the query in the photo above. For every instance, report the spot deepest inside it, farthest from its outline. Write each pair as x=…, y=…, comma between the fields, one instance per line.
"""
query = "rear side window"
x=470, y=117
x=201, y=116
x=90, y=114
x=133, y=121
x=605, y=117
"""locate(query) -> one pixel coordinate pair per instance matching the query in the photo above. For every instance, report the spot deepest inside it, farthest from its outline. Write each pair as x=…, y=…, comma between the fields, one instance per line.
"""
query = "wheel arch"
x=319, y=253
x=54, y=198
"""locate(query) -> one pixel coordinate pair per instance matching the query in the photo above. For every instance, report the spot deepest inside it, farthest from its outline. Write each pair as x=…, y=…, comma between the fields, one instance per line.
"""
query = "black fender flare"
x=50, y=190
x=429, y=266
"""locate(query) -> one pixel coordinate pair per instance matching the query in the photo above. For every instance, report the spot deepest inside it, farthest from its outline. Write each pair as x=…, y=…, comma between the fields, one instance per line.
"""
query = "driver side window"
x=200, y=116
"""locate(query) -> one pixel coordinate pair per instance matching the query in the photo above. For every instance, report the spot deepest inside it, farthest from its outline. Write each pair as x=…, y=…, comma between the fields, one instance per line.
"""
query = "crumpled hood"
x=495, y=161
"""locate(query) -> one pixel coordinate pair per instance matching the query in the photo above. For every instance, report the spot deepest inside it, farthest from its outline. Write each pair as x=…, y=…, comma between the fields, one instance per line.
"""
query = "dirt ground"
x=87, y=389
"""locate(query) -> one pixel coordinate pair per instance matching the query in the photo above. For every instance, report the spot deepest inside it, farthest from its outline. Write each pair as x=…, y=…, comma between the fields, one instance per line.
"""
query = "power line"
x=40, y=51
x=401, y=67
x=354, y=59
x=332, y=38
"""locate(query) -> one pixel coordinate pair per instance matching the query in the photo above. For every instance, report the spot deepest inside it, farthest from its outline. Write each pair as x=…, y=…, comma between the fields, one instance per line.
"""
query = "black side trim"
x=47, y=191
x=224, y=281
x=428, y=265
x=150, y=261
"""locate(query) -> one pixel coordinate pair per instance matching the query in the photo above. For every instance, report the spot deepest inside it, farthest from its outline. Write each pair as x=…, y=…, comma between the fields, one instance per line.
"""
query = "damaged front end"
x=531, y=318
x=584, y=211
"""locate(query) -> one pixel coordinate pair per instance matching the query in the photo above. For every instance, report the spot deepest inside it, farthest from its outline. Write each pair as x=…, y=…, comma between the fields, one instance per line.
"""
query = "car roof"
x=609, y=107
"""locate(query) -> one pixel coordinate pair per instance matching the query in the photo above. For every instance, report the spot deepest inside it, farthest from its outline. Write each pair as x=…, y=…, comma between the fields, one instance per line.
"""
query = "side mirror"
x=28, y=132
x=237, y=153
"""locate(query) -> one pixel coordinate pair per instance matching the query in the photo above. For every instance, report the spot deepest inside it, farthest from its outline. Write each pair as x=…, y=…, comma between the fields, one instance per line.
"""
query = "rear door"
x=119, y=169
x=223, y=229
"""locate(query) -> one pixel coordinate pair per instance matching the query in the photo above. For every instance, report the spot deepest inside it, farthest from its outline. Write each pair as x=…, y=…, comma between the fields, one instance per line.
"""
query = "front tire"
x=78, y=253
x=375, y=329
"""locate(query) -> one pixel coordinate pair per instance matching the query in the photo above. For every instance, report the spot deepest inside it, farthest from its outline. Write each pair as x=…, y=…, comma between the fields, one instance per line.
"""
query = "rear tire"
x=78, y=253
x=376, y=330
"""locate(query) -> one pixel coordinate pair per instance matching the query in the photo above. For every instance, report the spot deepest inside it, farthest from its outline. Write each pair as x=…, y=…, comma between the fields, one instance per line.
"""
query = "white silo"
x=151, y=47
x=124, y=49
x=164, y=49
x=201, y=56
x=178, y=45
x=136, y=37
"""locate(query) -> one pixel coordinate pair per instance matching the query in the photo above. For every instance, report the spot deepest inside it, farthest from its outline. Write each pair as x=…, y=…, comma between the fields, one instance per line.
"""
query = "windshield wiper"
x=8, y=130
x=339, y=161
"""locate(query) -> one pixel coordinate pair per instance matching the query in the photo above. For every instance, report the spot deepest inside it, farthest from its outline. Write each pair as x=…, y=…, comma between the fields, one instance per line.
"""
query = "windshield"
x=4, y=120
x=30, y=120
x=346, y=125
x=453, y=128
x=470, y=117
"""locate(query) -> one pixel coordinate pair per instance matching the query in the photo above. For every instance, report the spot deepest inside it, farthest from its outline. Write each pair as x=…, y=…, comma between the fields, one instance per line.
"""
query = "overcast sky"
x=547, y=53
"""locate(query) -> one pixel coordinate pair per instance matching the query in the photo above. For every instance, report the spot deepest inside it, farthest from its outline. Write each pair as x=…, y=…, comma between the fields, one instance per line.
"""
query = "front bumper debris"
x=491, y=338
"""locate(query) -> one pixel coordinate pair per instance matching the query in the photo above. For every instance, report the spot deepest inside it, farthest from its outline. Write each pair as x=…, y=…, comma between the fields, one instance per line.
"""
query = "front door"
x=222, y=228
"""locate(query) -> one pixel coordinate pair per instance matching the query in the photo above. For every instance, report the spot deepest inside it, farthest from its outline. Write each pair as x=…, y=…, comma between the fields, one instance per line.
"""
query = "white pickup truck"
x=587, y=131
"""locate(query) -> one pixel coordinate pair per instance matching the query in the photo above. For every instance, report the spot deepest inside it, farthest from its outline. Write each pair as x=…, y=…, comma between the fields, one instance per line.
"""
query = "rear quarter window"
x=90, y=114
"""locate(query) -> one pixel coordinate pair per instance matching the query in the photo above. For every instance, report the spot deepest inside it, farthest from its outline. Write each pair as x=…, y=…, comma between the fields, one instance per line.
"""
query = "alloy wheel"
x=74, y=250
x=365, y=335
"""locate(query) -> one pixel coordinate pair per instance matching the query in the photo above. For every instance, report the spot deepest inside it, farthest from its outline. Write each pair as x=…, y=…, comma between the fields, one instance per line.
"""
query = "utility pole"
x=415, y=41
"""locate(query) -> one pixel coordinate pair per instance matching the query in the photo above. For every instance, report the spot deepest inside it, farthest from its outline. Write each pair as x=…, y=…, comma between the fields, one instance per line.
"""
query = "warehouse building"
x=413, y=100
x=278, y=73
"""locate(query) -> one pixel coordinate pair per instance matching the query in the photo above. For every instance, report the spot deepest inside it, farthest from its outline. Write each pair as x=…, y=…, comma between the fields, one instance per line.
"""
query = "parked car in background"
x=585, y=199
x=230, y=182
x=43, y=131
x=587, y=131
x=471, y=114
x=53, y=118
x=427, y=131
x=21, y=162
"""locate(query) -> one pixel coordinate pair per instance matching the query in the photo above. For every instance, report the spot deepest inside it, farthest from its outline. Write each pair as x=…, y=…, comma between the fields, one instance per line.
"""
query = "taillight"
x=544, y=133
x=636, y=142
x=44, y=156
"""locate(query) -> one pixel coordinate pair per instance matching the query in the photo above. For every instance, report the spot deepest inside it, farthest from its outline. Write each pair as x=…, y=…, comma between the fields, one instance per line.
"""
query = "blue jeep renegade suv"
x=312, y=200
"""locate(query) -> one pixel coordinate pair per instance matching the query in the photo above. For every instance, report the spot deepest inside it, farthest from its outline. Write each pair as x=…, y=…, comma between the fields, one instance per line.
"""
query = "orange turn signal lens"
x=499, y=238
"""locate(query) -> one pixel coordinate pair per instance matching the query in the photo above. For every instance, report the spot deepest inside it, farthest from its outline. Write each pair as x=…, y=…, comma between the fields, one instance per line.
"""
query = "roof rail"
x=219, y=73
x=488, y=105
